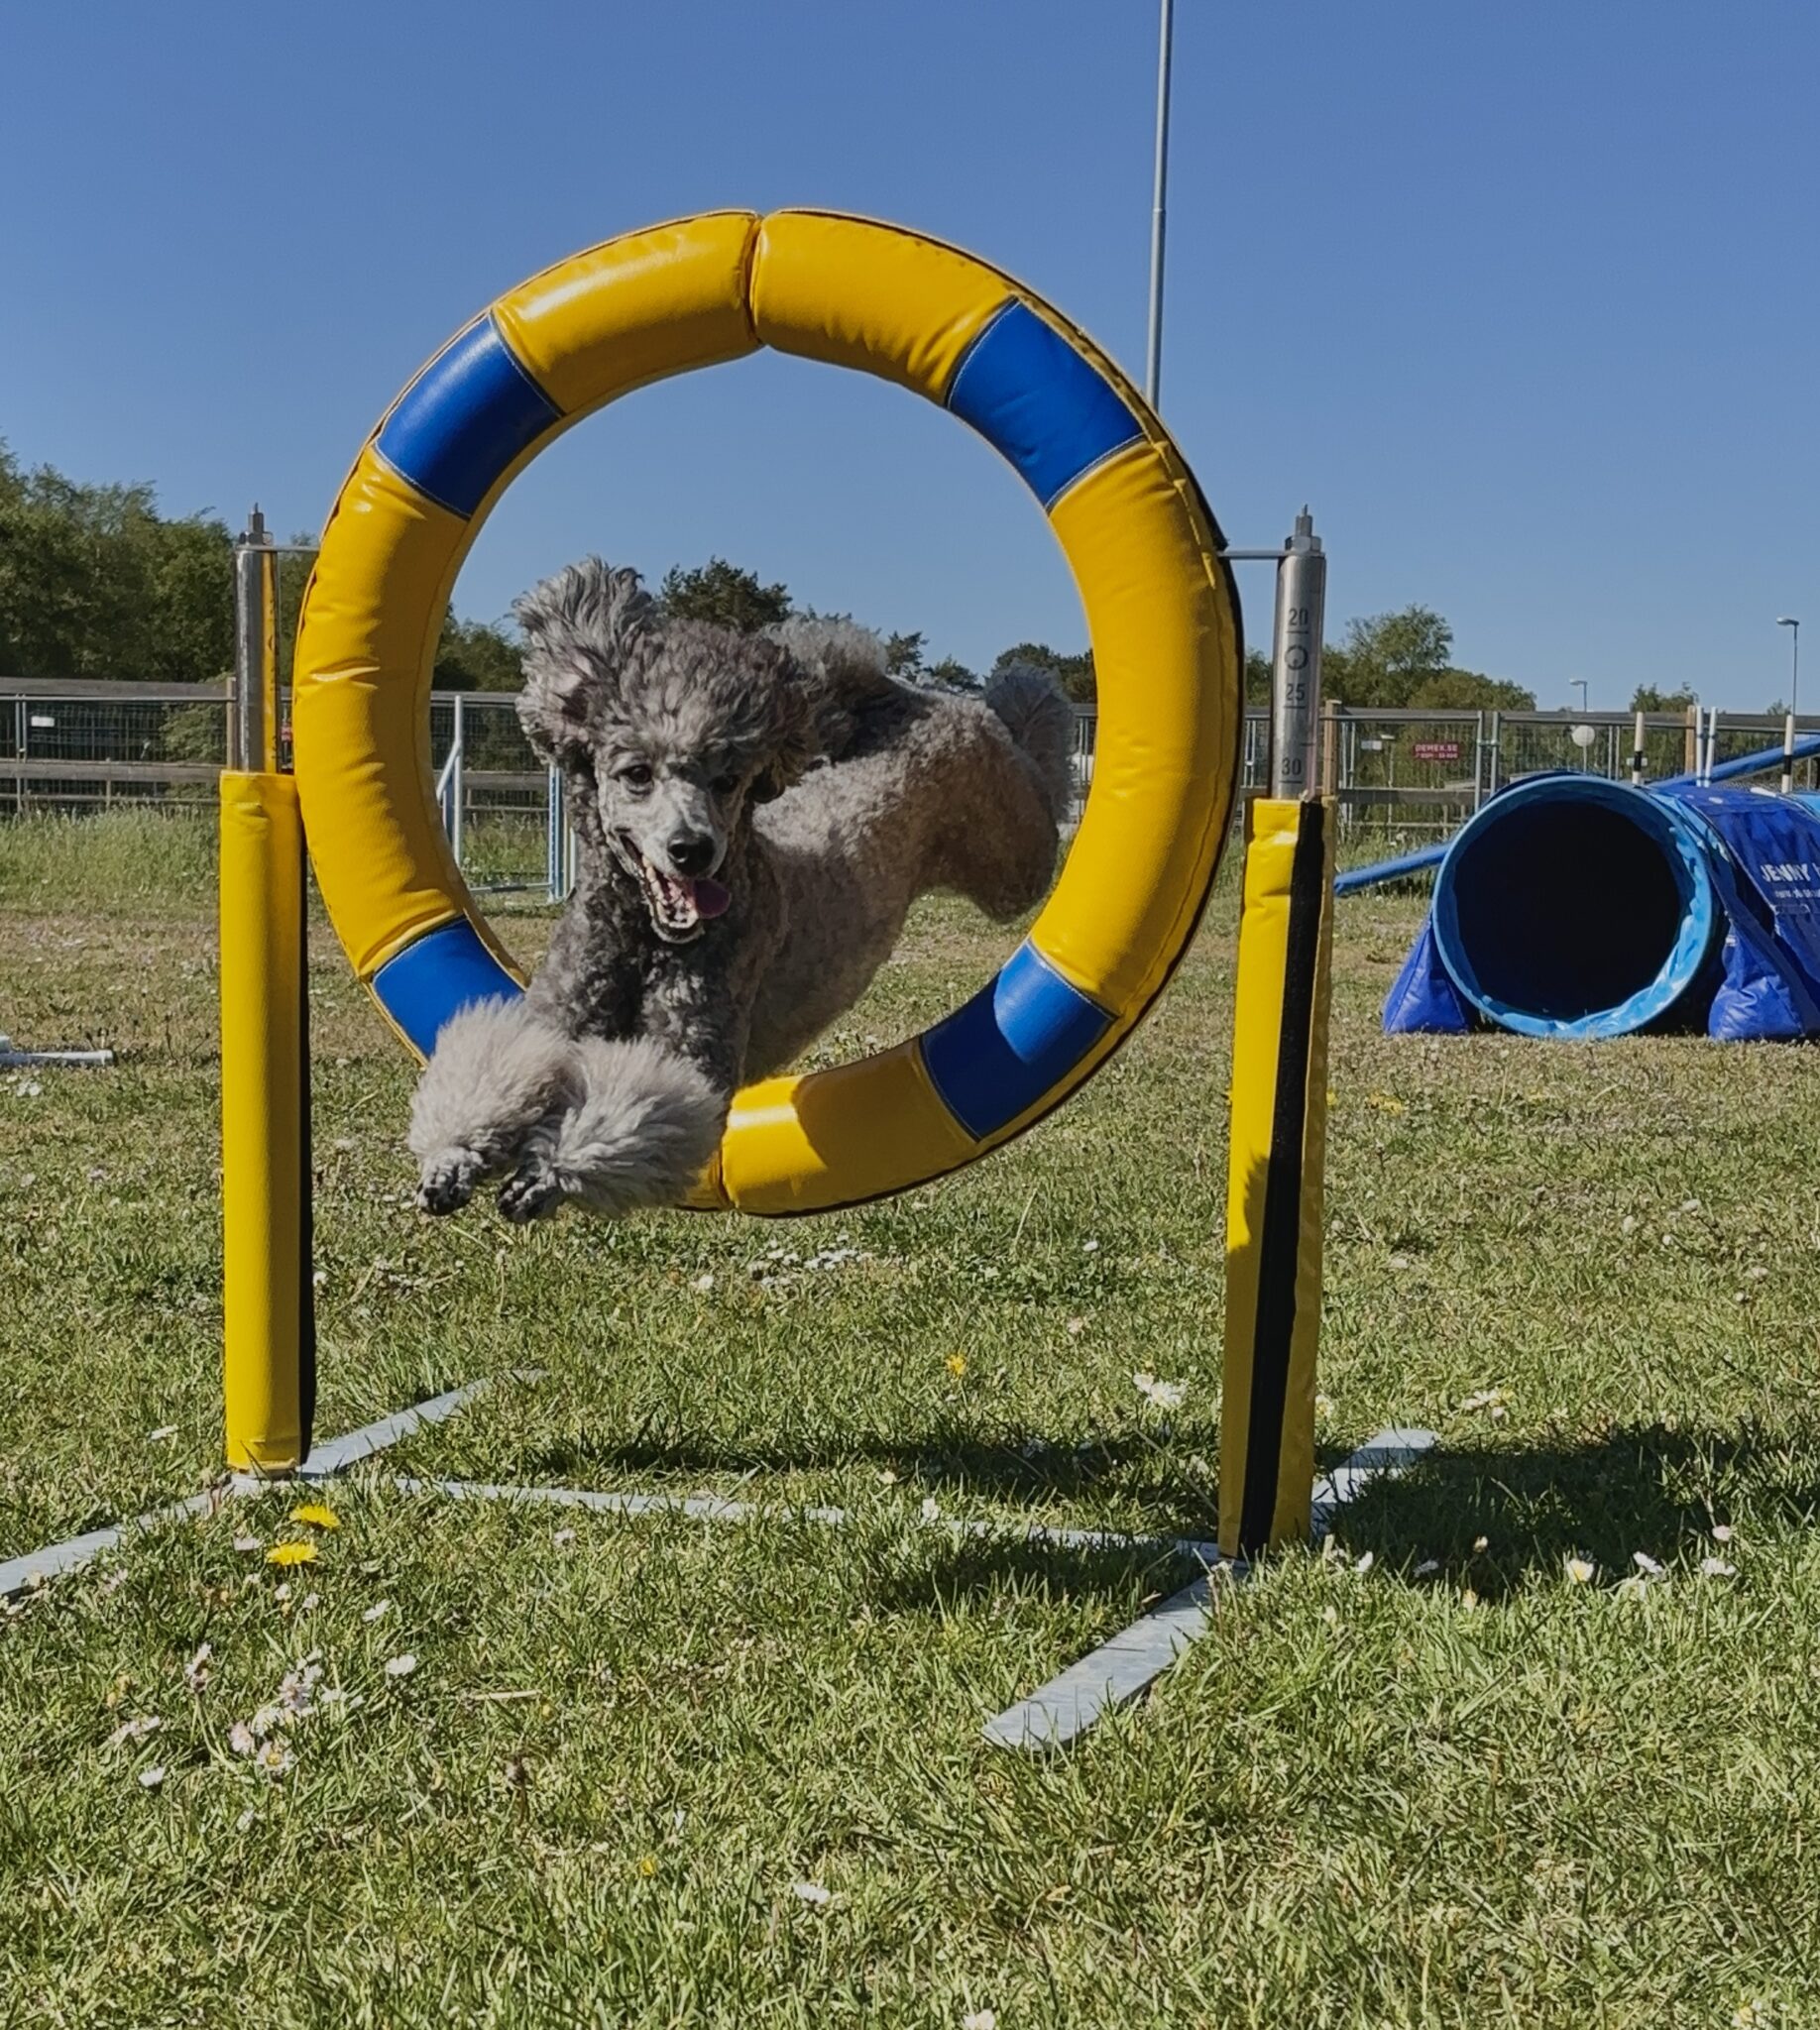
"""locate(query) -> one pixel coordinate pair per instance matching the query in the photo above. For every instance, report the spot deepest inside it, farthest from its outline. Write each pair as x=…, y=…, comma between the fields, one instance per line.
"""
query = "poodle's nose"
x=691, y=854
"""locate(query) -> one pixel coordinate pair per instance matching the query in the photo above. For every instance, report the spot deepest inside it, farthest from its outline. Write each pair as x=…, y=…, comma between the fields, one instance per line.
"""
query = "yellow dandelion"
x=647, y=1864
x=1386, y=1103
x=318, y=1515
x=957, y=1365
x=300, y=1554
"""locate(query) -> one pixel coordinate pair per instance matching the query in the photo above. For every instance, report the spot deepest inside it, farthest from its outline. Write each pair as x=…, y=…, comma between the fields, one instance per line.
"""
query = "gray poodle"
x=754, y=818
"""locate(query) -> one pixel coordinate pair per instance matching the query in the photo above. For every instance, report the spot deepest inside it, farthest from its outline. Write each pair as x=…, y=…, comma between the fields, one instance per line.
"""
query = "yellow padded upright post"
x=1276, y=1170
x=269, y=1378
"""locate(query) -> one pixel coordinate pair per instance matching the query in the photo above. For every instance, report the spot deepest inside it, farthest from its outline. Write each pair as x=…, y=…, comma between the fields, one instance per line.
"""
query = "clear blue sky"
x=1523, y=299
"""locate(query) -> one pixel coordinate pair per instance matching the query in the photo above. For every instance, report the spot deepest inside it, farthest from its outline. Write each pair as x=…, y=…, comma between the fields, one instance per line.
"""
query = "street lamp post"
x=1794, y=625
x=1153, y=351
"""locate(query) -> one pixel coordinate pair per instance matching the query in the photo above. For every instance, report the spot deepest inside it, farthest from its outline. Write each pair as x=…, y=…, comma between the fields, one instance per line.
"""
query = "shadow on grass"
x=1638, y=1488
x=1014, y=1465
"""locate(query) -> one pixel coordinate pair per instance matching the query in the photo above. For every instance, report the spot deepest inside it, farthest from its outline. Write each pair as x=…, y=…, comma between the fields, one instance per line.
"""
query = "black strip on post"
x=1280, y=1245
x=306, y=1189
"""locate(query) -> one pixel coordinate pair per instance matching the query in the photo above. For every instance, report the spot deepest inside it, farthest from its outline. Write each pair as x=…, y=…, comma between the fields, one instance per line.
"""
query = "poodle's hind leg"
x=497, y=1071
x=645, y=1126
x=1008, y=781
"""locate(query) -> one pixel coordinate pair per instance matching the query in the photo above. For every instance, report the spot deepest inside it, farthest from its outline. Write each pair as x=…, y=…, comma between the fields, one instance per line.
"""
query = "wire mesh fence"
x=1412, y=775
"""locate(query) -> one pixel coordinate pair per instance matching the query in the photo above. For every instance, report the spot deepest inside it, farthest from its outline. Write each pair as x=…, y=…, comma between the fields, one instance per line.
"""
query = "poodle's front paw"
x=448, y=1179
x=532, y=1192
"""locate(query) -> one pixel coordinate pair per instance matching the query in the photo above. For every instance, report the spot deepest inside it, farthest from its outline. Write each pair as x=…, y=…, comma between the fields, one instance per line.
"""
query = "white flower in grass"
x=242, y=1739
x=1722, y=1532
x=811, y=1892
x=149, y=1780
x=1075, y=1326
x=274, y=1759
x=195, y=1671
x=1365, y=1562
x=704, y=1282
x=1090, y=1246
x=1633, y=1588
x=980, y=2020
x=401, y=1665
x=377, y=1612
x=134, y=1730
x=932, y=1509
x=164, y=1431
x=1717, y=1568
x=563, y=1538
x=1579, y=1570
x=1160, y=1395
x=248, y=1543
x=244, y=1823
x=1650, y=1567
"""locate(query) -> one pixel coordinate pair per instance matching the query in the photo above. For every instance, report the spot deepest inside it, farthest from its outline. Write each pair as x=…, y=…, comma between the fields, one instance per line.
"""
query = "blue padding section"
x=464, y=419
x=436, y=978
x=1010, y=1044
x=1031, y=396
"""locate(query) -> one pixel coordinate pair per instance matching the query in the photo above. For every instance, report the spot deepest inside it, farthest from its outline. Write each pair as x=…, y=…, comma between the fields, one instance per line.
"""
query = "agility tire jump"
x=1162, y=616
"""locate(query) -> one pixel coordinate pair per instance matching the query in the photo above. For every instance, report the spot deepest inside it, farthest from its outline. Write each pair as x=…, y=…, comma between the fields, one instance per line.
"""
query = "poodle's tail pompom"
x=495, y=1072
x=647, y=1125
x=579, y=631
x=1041, y=723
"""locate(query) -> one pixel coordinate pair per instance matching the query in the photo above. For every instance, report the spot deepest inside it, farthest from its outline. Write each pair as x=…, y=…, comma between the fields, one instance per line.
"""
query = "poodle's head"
x=668, y=730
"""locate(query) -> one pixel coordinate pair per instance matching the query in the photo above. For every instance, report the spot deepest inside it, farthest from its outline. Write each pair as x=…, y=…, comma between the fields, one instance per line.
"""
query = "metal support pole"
x=458, y=788
x=1788, y=740
x=1153, y=355
x=1638, y=761
x=255, y=728
x=1295, y=675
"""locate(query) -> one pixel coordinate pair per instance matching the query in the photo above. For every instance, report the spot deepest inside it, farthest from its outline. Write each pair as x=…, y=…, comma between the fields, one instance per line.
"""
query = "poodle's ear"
x=790, y=735
x=580, y=627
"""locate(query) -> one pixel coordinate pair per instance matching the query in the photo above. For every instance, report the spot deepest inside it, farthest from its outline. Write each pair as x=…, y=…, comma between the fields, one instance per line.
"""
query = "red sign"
x=1435, y=750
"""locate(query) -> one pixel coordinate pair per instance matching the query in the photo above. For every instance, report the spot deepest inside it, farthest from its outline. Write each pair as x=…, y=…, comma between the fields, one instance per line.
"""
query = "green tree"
x=725, y=594
x=475, y=655
x=1074, y=673
x=904, y=656
x=1453, y=690
x=1257, y=677
x=951, y=675
x=1650, y=698
x=1385, y=657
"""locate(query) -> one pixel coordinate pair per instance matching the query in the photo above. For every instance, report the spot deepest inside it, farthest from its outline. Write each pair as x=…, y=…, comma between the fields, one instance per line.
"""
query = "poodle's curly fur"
x=755, y=816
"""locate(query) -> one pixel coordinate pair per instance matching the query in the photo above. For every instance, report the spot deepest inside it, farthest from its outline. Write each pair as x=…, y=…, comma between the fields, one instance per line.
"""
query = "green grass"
x=1453, y=1787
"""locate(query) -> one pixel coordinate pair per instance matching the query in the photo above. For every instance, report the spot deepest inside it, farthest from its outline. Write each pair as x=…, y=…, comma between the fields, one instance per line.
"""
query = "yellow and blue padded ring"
x=1162, y=616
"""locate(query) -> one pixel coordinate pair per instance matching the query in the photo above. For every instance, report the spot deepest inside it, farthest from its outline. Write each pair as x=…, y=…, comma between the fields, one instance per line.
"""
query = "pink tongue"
x=711, y=899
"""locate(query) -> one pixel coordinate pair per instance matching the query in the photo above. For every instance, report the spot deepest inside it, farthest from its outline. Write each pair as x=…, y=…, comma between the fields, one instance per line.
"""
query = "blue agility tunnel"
x=1578, y=908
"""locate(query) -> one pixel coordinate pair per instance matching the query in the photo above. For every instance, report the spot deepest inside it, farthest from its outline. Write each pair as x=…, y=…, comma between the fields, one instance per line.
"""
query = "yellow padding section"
x=856, y=294
x=373, y=609
x=261, y=1118
x=634, y=309
x=1256, y=1041
x=1165, y=653
x=835, y=1137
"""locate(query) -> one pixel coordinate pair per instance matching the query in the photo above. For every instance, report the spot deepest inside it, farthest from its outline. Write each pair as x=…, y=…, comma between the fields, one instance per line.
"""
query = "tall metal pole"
x=1794, y=701
x=1294, y=677
x=254, y=738
x=1153, y=357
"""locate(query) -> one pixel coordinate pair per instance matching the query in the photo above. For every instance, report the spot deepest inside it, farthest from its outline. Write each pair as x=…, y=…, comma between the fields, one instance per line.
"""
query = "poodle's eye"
x=725, y=785
x=636, y=775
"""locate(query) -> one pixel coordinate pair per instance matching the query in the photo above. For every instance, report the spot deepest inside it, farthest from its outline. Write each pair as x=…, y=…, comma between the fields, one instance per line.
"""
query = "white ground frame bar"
x=1119, y=1669
x=1050, y=1718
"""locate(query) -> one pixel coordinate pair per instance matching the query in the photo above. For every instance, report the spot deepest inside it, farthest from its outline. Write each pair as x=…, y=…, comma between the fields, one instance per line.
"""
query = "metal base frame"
x=1052, y=1717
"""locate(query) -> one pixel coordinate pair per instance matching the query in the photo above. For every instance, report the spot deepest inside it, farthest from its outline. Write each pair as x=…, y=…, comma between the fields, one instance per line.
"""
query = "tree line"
x=94, y=582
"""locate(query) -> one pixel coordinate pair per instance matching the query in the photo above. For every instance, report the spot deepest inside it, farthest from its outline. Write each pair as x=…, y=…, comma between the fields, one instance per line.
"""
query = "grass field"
x=656, y=1772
